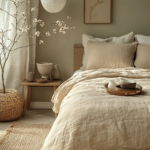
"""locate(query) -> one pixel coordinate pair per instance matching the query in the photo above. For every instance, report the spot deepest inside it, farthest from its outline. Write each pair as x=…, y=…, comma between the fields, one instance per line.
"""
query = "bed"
x=91, y=119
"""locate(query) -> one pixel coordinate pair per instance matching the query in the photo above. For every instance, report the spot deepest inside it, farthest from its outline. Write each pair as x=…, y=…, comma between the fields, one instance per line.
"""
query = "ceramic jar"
x=30, y=76
x=56, y=73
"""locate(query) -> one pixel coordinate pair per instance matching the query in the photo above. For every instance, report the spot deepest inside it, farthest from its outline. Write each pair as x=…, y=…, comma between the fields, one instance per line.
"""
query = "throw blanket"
x=91, y=119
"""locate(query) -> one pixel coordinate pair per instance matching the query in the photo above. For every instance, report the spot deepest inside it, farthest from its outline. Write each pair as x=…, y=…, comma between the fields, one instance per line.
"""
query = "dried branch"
x=22, y=27
x=7, y=12
x=24, y=47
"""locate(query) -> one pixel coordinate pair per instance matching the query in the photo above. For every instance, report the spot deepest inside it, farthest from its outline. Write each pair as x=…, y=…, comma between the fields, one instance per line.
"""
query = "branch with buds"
x=22, y=28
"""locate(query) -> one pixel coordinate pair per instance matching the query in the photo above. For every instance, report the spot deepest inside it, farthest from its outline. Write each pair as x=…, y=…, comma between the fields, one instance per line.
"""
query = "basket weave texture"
x=11, y=105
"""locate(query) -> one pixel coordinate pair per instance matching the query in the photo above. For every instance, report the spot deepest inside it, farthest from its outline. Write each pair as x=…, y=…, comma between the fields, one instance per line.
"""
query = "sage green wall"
x=127, y=16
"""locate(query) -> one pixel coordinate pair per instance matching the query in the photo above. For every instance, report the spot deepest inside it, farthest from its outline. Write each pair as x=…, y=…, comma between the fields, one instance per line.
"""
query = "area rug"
x=25, y=137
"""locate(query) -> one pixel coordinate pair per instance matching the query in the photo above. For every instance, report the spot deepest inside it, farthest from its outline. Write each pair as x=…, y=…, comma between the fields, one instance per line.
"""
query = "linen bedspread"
x=91, y=119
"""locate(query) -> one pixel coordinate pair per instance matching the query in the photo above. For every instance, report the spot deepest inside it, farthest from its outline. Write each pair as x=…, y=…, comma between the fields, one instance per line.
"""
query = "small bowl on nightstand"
x=127, y=83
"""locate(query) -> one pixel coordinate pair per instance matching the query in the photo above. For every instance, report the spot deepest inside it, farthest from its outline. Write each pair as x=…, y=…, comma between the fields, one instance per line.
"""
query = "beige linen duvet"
x=91, y=119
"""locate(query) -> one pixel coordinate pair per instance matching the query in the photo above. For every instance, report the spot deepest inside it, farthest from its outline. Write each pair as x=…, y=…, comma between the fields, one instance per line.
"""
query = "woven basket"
x=11, y=105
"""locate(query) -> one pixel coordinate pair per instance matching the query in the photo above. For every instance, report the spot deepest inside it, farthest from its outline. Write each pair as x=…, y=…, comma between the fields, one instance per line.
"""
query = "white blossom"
x=39, y=21
x=19, y=32
x=34, y=9
x=58, y=21
x=67, y=28
x=62, y=28
x=63, y=32
x=47, y=33
x=23, y=21
x=16, y=2
x=41, y=42
x=54, y=30
x=35, y=21
x=60, y=24
x=68, y=17
x=37, y=33
x=42, y=24
x=26, y=29
x=23, y=13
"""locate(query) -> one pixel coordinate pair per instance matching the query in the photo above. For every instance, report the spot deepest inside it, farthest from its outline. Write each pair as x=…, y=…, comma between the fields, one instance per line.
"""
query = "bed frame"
x=78, y=56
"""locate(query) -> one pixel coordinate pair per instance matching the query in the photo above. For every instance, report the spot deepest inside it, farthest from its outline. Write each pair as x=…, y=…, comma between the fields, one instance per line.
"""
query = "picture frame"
x=97, y=11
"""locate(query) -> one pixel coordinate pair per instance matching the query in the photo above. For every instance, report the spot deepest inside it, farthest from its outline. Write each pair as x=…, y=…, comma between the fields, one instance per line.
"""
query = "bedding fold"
x=64, y=88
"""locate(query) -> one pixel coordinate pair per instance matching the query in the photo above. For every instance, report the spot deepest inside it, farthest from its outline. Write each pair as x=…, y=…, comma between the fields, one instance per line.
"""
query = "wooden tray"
x=124, y=92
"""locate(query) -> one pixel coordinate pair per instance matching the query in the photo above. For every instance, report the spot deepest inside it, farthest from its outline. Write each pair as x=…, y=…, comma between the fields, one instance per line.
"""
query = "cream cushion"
x=143, y=57
x=129, y=38
x=141, y=39
x=110, y=55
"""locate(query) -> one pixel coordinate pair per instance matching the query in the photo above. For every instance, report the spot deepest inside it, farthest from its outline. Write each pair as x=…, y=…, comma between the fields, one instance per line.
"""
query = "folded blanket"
x=63, y=90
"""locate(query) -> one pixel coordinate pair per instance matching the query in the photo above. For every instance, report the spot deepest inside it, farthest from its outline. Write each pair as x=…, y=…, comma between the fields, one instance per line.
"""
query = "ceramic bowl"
x=127, y=83
x=45, y=69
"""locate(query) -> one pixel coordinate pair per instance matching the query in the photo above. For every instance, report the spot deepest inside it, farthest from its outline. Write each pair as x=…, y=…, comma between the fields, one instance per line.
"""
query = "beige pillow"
x=143, y=57
x=128, y=38
x=110, y=55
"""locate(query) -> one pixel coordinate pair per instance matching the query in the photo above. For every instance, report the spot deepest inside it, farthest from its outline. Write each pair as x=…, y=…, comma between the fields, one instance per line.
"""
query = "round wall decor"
x=53, y=6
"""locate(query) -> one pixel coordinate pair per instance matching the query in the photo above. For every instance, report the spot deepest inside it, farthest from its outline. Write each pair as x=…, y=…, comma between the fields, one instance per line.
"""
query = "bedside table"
x=29, y=85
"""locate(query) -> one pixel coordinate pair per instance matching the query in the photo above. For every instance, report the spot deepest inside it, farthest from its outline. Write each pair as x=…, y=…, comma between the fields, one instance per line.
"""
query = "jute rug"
x=25, y=137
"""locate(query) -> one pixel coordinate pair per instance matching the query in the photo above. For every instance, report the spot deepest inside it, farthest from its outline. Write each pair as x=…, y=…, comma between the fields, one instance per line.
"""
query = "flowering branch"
x=7, y=12
x=21, y=28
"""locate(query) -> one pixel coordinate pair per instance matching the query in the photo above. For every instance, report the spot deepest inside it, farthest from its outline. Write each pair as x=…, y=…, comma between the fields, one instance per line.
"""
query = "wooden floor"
x=32, y=117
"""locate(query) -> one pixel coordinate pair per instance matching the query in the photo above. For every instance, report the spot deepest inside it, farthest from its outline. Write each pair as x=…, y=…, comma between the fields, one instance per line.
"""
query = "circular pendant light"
x=53, y=6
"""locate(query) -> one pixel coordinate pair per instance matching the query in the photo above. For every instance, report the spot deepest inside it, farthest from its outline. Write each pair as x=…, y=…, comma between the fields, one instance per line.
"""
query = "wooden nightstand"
x=29, y=85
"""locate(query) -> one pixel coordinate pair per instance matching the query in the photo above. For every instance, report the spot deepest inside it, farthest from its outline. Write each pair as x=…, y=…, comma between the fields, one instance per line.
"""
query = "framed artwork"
x=97, y=11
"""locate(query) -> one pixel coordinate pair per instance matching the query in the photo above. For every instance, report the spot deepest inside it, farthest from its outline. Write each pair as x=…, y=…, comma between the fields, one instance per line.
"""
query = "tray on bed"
x=124, y=92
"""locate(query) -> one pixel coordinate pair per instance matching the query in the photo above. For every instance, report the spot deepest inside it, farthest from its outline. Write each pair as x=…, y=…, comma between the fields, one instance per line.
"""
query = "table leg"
x=56, y=115
x=26, y=100
x=29, y=96
x=55, y=87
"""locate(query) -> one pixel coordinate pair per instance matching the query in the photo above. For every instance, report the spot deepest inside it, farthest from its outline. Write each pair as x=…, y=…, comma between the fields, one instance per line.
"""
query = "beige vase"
x=56, y=73
x=30, y=77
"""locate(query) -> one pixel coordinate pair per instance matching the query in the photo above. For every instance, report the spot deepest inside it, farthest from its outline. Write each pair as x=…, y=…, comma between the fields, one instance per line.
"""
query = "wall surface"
x=127, y=16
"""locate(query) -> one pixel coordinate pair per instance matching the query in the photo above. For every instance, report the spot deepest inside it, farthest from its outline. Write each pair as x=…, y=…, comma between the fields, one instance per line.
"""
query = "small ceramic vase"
x=112, y=85
x=56, y=73
x=30, y=76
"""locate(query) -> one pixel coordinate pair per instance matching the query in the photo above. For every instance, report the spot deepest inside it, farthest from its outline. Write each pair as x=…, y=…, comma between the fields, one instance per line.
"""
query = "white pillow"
x=129, y=38
x=142, y=39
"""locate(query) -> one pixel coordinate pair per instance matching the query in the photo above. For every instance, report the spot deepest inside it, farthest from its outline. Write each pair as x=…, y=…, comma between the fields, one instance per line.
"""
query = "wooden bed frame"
x=78, y=56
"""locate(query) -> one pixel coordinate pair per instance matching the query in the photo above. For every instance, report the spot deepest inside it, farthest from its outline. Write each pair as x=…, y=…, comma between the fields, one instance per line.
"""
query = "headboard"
x=78, y=56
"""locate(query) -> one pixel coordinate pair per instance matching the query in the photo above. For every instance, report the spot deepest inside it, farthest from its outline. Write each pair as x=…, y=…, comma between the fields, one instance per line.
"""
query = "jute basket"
x=11, y=105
